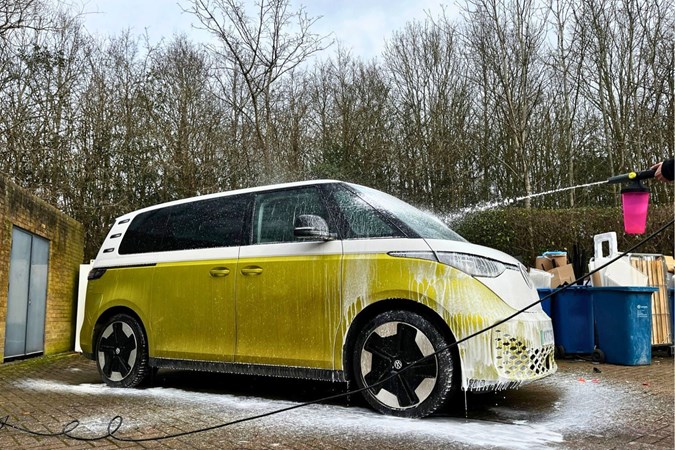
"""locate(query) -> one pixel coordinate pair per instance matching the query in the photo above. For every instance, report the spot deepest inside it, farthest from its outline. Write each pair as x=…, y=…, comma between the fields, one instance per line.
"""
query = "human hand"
x=658, y=175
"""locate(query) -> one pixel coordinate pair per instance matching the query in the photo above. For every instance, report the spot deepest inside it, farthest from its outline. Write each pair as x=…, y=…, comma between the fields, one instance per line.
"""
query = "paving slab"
x=583, y=406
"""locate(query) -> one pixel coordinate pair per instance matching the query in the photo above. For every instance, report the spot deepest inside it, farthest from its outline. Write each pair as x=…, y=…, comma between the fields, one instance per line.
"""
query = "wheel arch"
x=394, y=304
x=108, y=314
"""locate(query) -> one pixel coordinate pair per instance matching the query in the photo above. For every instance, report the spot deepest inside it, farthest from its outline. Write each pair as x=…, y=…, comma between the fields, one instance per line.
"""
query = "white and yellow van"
x=320, y=280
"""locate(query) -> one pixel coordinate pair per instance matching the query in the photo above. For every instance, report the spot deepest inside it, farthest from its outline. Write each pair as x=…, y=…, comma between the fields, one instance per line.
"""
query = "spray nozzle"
x=632, y=176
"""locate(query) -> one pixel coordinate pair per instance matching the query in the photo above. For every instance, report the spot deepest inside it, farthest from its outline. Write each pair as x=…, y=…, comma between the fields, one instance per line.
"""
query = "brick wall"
x=66, y=251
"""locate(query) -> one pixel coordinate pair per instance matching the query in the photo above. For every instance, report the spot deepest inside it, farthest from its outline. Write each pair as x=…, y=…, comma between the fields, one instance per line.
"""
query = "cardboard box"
x=543, y=263
x=559, y=261
x=561, y=275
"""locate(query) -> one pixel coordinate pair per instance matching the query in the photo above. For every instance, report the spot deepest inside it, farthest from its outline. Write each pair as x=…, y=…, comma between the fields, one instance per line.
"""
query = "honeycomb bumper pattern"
x=515, y=360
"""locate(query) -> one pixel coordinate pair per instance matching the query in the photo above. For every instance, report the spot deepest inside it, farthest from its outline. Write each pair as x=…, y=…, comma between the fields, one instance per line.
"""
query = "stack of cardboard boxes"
x=556, y=264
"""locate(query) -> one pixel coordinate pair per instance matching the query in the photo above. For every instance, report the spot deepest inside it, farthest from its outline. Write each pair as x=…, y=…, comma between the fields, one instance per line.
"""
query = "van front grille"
x=516, y=361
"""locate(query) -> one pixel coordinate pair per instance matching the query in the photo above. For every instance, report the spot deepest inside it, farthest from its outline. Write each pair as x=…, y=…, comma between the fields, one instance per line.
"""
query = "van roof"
x=228, y=193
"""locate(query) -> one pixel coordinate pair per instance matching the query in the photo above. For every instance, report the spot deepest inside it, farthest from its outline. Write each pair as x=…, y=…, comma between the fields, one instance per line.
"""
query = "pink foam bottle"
x=635, y=202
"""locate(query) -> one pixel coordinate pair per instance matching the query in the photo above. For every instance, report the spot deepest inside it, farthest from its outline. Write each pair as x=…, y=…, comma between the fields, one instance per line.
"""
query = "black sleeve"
x=667, y=168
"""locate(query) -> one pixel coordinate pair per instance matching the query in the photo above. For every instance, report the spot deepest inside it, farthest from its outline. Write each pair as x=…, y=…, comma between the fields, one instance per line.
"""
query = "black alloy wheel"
x=395, y=354
x=122, y=352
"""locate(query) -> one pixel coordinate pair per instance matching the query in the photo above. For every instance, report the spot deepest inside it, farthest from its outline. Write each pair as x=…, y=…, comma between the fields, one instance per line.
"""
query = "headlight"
x=476, y=266
x=473, y=265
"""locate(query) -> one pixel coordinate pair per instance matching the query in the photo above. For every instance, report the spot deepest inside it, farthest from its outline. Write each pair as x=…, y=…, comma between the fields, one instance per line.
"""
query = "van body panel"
x=92, y=309
x=511, y=286
x=127, y=287
x=288, y=303
x=203, y=254
x=456, y=297
x=192, y=312
x=464, y=302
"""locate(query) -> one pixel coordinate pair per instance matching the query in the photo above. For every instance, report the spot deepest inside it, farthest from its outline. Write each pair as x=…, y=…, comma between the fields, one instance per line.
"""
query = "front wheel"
x=122, y=352
x=386, y=346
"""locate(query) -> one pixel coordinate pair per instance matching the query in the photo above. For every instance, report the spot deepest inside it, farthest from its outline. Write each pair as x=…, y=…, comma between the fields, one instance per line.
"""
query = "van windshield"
x=423, y=223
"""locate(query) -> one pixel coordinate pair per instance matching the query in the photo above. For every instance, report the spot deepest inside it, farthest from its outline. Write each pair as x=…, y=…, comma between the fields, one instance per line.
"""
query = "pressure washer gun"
x=632, y=176
x=634, y=199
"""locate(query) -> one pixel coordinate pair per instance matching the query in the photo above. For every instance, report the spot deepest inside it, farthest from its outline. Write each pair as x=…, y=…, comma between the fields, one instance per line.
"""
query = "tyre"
x=390, y=343
x=122, y=352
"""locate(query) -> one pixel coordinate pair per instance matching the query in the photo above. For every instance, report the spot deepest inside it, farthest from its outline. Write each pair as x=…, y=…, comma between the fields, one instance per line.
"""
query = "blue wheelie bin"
x=546, y=304
x=572, y=313
x=623, y=318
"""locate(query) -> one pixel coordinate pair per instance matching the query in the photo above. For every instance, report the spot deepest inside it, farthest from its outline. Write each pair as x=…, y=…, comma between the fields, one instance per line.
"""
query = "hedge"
x=526, y=233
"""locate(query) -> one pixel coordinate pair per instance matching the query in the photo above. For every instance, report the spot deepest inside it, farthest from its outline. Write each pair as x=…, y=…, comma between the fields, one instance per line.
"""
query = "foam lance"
x=632, y=176
x=634, y=200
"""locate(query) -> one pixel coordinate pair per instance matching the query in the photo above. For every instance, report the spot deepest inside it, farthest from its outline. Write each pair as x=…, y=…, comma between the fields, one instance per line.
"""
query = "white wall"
x=81, y=294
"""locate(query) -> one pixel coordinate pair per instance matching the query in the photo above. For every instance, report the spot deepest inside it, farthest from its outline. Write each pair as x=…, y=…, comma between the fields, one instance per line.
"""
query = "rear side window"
x=146, y=232
x=216, y=222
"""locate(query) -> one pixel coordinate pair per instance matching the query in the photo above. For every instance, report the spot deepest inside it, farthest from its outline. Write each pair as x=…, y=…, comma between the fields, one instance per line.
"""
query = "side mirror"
x=308, y=226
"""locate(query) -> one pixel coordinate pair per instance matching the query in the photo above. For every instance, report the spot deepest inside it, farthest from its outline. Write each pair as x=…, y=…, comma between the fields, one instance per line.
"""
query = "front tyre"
x=393, y=341
x=122, y=352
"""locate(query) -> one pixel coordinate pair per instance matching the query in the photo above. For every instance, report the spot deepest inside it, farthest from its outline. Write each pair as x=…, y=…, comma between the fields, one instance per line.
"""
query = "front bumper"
x=515, y=352
x=518, y=358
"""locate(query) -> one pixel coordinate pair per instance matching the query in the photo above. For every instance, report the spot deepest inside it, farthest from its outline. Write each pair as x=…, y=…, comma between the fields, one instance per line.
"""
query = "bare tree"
x=185, y=119
x=290, y=140
x=628, y=62
x=565, y=62
x=351, y=122
x=259, y=50
x=20, y=14
x=506, y=39
x=430, y=94
x=38, y=101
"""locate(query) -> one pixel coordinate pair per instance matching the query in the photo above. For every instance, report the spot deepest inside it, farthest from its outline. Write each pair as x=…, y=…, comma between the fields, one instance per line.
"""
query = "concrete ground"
x=583, y=406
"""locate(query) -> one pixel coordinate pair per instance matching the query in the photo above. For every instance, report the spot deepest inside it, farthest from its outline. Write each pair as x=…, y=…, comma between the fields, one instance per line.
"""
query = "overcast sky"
x=361, y=25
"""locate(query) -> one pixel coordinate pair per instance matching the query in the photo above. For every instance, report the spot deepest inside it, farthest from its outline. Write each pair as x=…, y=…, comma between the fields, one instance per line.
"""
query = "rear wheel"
x=385, y=356
x=122, y=352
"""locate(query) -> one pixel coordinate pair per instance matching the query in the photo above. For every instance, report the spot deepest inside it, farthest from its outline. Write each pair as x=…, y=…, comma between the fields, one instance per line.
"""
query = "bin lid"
x=627, y=289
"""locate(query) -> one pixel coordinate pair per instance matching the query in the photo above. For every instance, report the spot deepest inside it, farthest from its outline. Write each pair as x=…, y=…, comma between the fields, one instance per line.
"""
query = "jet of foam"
x=484, y=206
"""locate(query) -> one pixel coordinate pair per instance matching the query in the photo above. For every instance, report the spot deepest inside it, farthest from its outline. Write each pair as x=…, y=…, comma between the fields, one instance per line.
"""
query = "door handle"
x=217, y=272
x=251, y=270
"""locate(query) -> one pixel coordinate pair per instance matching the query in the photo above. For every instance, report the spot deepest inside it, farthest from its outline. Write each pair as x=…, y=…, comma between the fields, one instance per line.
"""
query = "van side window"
x=145, y=232
x=362, y=220
x=275, y=213
x=216, y=222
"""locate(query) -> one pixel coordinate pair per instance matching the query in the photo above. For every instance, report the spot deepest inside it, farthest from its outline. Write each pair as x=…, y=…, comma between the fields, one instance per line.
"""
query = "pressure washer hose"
x=116, y=422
